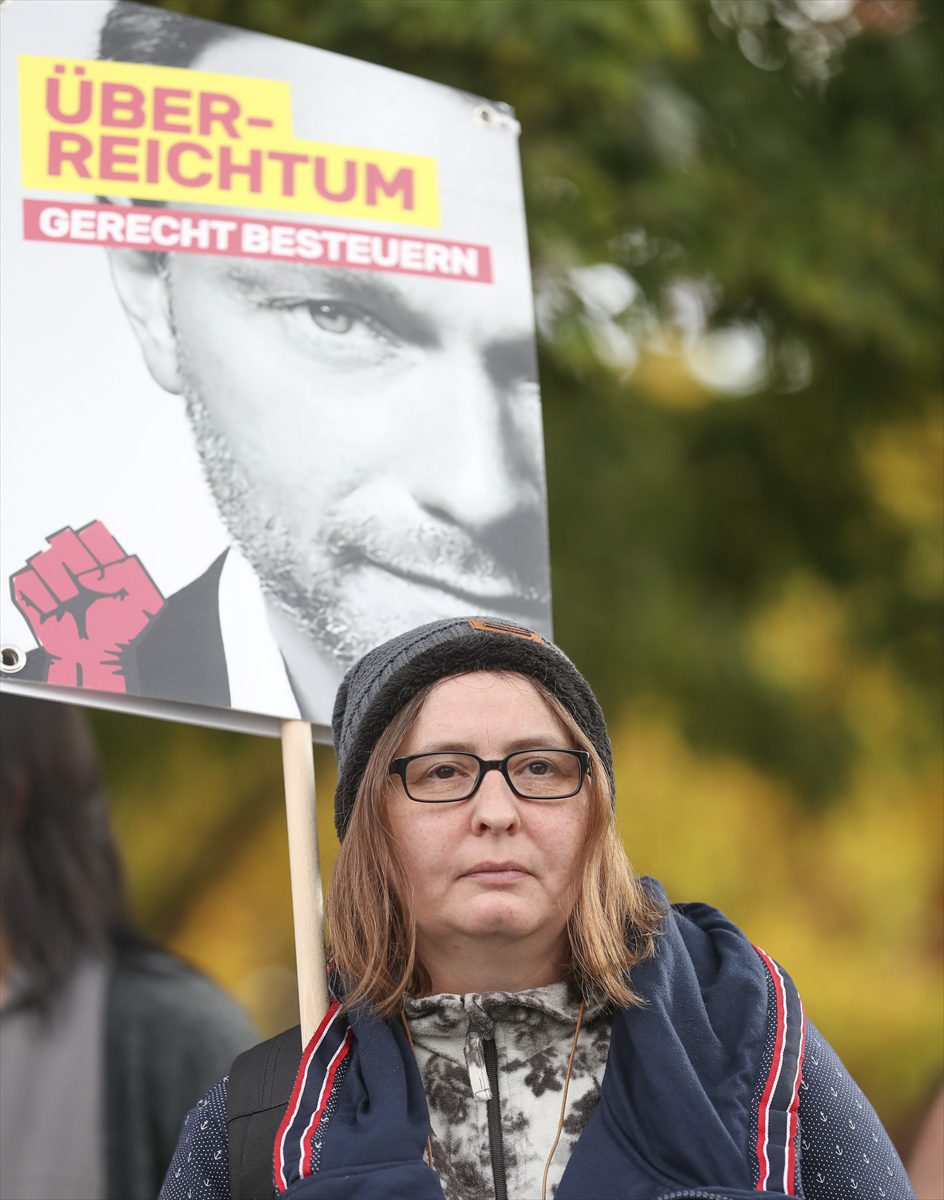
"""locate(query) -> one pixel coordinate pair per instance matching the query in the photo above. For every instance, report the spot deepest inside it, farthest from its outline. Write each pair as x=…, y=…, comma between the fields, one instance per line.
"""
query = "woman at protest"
x=105, y=1039
x=514, y=1012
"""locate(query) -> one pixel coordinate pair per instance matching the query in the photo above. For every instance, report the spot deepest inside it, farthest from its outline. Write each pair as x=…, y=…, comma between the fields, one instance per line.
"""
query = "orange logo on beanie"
x=515, y=630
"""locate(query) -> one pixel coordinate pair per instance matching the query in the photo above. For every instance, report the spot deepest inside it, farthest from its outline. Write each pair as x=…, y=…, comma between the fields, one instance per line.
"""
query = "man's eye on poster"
x=269, y=383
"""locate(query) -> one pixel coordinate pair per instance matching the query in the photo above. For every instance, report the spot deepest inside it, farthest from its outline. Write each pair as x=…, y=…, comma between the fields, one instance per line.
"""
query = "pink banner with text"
x=162, y=230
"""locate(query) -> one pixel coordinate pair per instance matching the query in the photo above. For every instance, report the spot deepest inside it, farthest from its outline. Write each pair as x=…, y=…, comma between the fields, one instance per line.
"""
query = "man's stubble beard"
x=312, y=600
x=336, y=607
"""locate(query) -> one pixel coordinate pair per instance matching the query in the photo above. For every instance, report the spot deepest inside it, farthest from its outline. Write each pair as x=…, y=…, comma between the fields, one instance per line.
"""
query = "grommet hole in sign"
x=12, y=659
x=494, y=117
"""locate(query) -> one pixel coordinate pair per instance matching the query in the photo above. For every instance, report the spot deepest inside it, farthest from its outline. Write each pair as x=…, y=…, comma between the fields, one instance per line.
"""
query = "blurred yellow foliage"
x=848, y=900
x=797, y=641
x=237, y=923
x=905, y=467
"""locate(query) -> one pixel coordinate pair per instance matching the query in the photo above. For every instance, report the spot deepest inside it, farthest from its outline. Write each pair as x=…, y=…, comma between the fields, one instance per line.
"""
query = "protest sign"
x=268, y=377
x=269, y=390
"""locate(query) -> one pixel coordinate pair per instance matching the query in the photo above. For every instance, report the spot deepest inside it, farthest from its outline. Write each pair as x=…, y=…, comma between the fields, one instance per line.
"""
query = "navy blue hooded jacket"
x=698, y=1099
x=699, y=1096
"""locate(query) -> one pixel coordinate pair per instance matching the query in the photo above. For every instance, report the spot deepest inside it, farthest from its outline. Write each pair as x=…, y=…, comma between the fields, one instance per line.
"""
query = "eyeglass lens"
x=537, y=774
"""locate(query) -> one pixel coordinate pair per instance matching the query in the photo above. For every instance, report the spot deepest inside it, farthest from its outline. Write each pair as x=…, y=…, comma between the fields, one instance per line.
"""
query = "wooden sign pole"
x=298, y=766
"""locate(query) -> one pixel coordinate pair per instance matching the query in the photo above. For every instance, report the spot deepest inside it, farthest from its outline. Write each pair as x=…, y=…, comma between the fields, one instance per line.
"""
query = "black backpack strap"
x=260, y=1086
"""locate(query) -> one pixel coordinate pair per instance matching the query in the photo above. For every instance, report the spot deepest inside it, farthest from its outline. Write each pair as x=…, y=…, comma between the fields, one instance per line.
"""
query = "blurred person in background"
x=106, y=1040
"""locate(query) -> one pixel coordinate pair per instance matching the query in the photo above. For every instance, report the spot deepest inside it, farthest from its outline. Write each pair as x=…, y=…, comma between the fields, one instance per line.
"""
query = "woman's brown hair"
x=612, y=924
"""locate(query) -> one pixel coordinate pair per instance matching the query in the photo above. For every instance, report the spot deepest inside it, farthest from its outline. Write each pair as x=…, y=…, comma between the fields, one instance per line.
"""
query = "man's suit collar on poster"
x=211, y=642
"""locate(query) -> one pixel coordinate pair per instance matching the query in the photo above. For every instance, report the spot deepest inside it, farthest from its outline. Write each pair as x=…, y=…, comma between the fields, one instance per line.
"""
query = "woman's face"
x=494, y=866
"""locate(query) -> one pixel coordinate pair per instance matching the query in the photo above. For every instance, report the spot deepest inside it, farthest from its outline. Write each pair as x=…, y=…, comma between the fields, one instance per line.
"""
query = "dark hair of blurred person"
x=105, y=1038
x=62, y=894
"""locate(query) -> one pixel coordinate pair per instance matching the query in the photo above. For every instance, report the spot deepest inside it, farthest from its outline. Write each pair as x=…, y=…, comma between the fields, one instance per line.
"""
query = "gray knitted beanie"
x=378, y=686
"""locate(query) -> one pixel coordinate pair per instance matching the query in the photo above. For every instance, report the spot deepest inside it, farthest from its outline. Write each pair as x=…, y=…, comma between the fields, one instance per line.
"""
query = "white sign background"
x=86, y=432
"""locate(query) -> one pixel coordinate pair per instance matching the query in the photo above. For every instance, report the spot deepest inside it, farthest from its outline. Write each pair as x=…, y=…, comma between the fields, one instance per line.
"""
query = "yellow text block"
x=172, y=134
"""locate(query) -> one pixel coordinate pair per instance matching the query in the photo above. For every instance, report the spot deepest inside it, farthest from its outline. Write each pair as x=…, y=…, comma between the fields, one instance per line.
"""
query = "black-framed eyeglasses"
x=447, y=775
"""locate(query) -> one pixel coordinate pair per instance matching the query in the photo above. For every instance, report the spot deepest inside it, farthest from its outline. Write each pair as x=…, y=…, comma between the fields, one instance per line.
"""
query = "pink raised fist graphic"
x=85, y=600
